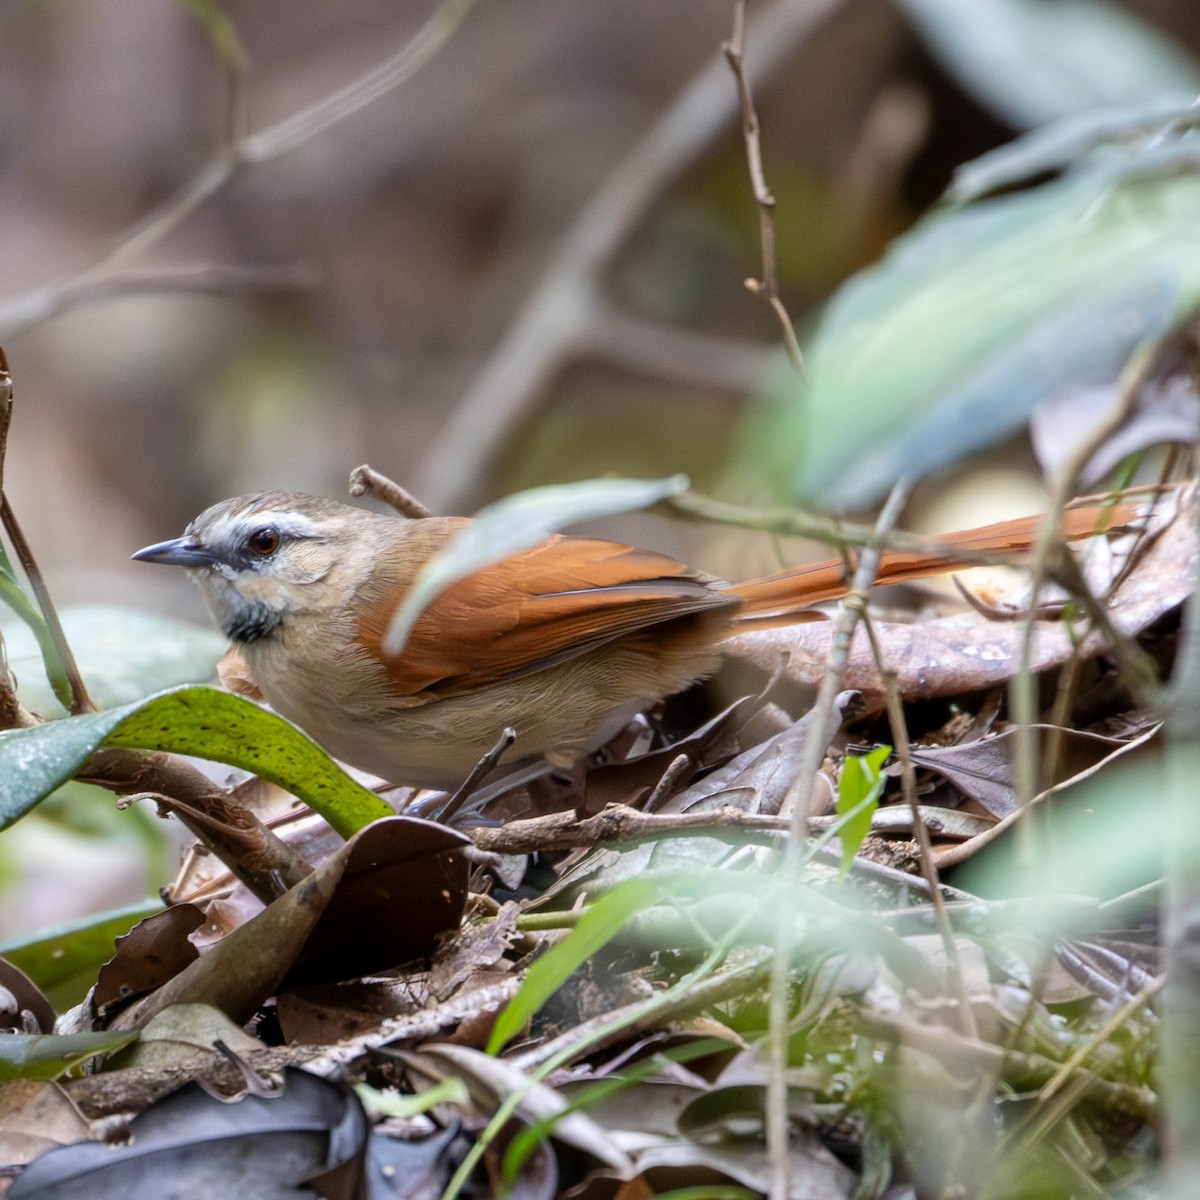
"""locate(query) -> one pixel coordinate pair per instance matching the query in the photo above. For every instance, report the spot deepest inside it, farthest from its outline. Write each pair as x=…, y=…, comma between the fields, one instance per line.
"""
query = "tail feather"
x=783, y=598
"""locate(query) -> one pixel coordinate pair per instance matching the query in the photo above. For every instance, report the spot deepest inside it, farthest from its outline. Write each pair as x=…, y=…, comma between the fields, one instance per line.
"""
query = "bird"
x=564, y=642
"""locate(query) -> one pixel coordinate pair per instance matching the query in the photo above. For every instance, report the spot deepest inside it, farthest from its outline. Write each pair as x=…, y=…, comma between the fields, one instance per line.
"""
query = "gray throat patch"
x=253, y=621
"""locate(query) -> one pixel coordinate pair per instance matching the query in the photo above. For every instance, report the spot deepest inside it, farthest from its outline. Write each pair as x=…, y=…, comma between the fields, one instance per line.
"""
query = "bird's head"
x=263, y=559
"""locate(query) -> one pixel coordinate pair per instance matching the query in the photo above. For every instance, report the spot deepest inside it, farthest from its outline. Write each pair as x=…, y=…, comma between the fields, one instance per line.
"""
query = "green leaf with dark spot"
x=199, y=721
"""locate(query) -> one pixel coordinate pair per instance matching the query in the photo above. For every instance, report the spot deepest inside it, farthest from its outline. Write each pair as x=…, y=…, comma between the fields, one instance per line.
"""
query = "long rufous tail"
x=782, y=599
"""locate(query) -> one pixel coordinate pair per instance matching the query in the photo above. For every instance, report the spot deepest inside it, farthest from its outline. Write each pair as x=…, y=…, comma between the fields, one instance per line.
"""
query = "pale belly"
x=560, y=713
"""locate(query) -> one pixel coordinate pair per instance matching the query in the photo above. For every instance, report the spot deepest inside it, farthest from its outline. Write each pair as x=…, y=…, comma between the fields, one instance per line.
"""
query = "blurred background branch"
x=553, y=321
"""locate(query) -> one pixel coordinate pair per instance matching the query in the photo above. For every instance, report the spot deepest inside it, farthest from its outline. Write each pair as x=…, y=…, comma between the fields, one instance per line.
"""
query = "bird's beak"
x=179, y=552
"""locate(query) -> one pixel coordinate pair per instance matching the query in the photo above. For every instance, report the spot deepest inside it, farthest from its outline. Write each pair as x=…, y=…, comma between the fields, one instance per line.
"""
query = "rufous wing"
x=561, y=599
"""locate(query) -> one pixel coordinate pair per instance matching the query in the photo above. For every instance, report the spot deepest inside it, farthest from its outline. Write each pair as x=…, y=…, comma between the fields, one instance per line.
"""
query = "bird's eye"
x=264, y=541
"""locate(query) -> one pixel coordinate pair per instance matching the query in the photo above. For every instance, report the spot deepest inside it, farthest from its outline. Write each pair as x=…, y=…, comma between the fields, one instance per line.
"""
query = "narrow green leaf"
x=597, y=927
x=1055, y=147
x=450, y=1090
x=190, y=720
x=859, y=790
x=63, y=961
x=48, y=1055
x=221, y=34
x=12, y=594
x=516, y=523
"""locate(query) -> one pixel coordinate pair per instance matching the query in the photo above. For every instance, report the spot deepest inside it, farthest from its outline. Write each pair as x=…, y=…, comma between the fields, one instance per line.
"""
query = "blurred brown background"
x=419, y=226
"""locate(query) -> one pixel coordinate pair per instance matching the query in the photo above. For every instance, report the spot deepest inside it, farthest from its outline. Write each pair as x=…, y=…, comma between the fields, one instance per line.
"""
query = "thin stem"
x=365, y=480
x=908, y=781
x=660, y=1006
x=800, y=797
x=768, y=286
x=80, y=701
x=235, y=155
x=553, y=323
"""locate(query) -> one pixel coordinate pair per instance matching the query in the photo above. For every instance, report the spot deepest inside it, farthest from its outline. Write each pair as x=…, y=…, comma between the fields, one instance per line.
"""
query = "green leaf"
x=450, y=1090
x=122, y=656
x=1056, y=147
x=63, y=961
x=597, y=927
x=516, y=523
x=859, y=790
x=1109, y=833
x=48, y=1055
x=191, y=720
x=1035, y=61
x=949, y=343
x=13, y=595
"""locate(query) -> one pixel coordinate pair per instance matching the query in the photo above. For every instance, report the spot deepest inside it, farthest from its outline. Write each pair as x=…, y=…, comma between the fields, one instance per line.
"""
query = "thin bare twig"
x=553, y=322
x=908, y=782
x=365, y=480
x=619, y=822
x=768, y=285
x=800, y=797
x=1049, y=556
x=205, y=278
x=413, y=55
x=6, y=401
x=843, y=535
x=234, y=156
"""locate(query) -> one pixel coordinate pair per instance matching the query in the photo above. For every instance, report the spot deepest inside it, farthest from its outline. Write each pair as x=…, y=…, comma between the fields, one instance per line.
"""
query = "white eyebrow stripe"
x=290, y=524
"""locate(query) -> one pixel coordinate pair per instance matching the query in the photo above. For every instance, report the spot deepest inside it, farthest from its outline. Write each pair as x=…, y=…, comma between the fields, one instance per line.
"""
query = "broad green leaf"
x=859, y=789
x=1035, y=61
x=49, y=1055
x=978, y=315
x=63, y=961
x=597, y=927
x=122, y=656
x=516, y=523
x=190, y=720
